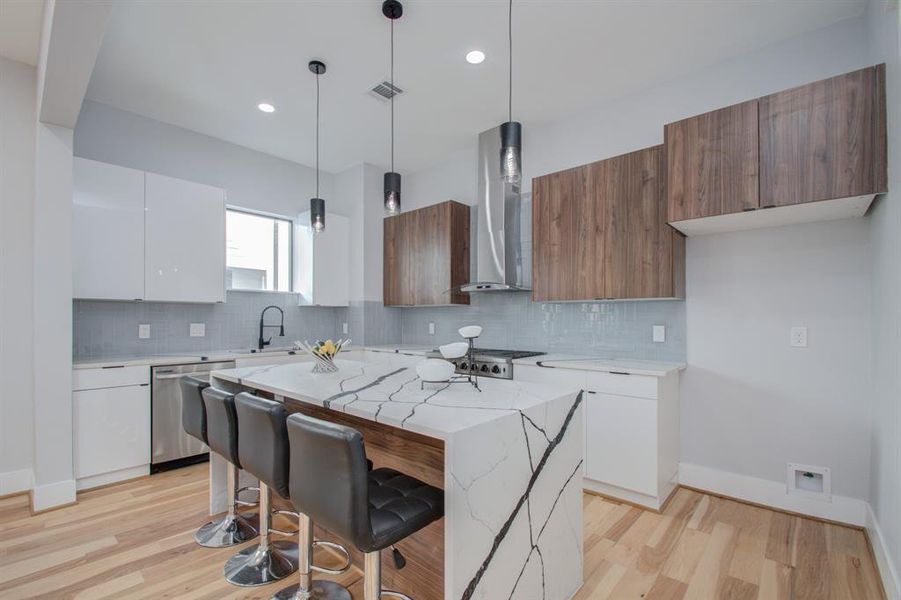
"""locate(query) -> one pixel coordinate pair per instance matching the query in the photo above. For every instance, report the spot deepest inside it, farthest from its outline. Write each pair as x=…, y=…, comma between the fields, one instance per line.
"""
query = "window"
x=258, y=251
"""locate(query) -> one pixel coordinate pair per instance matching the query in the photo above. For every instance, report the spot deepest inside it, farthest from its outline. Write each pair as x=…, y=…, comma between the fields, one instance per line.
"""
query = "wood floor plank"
x=134, y=542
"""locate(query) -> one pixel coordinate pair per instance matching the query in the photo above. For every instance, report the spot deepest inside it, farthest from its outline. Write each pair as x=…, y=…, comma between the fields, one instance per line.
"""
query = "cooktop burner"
x=488, y=362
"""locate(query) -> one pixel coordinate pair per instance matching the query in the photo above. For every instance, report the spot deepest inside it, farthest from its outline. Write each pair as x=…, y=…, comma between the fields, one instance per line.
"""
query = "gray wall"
x=110, y=329
x=885, y=224
x=513, y=321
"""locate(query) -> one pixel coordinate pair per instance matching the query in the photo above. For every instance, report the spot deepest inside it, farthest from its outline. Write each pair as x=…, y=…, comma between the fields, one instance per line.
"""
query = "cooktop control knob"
x=495, y=369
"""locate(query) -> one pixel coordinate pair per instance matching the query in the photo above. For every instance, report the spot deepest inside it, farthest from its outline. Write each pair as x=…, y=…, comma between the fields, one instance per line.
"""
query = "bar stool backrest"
x=222, y=424
x=328, y=478
x=193, y=413
x=264, y=451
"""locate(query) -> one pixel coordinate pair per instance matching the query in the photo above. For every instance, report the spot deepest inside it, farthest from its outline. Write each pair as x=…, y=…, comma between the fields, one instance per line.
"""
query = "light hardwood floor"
x=134, y=540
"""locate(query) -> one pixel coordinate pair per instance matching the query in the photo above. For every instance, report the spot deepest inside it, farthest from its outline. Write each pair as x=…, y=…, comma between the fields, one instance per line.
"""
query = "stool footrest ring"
x=282, y=531
x=338, y=548
x=394, y=594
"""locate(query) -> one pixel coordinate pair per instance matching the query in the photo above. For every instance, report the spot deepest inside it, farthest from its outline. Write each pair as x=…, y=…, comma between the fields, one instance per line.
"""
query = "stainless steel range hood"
x=504, y=226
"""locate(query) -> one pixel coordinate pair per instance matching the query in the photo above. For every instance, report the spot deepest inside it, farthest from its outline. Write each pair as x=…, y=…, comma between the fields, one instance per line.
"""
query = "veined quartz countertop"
x=183, y=358
x=606, y=365
x=384, y=387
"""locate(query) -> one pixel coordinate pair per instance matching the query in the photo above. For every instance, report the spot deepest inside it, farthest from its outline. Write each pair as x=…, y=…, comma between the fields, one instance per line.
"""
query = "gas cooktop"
x=488, y=362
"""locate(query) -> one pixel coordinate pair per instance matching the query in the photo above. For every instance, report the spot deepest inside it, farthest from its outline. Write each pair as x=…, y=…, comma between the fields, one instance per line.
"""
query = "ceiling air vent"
x=385, y=90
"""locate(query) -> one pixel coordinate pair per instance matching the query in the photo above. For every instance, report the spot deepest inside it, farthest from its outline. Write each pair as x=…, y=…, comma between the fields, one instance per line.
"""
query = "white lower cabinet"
x=631, y=430
x=111, y=419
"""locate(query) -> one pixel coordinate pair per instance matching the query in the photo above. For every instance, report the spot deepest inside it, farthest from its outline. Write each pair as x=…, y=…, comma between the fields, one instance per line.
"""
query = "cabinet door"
x=567, y=236
x=185, y=241
x=107, y=231
x=112, y=429
x=712, y=163
x=395, y=270
x=622, y=441
x=823, y=140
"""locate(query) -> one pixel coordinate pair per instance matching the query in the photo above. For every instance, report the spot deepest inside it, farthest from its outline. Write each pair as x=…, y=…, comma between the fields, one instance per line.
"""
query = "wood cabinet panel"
x=600, y=231
x=426, y=253
x=821, y=141
x=712, y=163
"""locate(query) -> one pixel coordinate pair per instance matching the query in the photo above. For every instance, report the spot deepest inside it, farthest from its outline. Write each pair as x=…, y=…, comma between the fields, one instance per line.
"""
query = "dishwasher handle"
x=160, y=375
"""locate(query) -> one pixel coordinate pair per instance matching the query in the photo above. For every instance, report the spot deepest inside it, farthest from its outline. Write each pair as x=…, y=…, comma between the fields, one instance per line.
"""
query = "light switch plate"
x=659, y=333
x=798, y=337
x=431, y=328
x=143, y=331
x=198, y=329
x=344, y=328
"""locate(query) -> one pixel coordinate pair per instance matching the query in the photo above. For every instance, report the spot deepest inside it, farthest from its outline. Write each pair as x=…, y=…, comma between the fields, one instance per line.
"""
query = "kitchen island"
x=509, y=459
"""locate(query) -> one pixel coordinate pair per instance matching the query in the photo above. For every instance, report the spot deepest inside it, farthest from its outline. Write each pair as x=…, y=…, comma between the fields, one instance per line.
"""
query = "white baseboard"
x=60, y=493
x=772, y=493
x=890, y=581
x=86, y=483
x=619, y=493
x=14, y=482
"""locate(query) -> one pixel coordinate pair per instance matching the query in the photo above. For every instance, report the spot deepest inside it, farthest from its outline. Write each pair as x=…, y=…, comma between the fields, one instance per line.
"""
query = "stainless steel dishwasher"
x=171, y=446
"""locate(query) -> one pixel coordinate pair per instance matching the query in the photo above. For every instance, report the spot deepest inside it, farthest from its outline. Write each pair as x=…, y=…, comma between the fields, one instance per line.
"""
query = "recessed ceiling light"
x=265, y=107
x=475, y=57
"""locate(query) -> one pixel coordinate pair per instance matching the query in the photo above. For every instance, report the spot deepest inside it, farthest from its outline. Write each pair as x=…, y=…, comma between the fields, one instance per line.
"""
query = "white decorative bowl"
x=454, y=350
x=471, y=331
x=434, y=370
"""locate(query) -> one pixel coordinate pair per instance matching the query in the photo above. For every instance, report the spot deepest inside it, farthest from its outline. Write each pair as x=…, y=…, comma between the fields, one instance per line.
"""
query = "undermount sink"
x=288, y=349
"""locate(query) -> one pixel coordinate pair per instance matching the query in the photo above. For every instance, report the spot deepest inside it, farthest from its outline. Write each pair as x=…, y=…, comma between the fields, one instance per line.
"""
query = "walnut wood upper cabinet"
x=711, y=162
x=599, y=231
x=811, y=153
x=824, y=140
x=426, y=253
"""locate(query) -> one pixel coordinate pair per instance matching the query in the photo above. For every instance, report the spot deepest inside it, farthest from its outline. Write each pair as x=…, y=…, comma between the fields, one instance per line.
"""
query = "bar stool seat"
x=399, y=505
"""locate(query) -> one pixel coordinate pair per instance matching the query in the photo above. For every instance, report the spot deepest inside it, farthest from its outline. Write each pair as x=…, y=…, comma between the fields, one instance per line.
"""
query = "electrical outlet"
x=798, y=337
x=344, y=328
x=659, y=332
x=431, y=328
x=197, y=329
x=143, y=331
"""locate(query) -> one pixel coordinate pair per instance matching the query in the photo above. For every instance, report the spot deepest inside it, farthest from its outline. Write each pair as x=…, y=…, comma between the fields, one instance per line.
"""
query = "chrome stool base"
x=228, y=531
x=255, y=565
x=321, y=590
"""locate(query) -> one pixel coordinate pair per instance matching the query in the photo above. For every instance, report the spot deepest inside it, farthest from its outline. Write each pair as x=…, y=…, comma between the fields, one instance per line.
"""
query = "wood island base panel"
x=509, y=458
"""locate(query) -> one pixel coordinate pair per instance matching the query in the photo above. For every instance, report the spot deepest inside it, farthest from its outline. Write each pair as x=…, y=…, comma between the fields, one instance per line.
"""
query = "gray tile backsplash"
x=104, y=329
x=512, y=321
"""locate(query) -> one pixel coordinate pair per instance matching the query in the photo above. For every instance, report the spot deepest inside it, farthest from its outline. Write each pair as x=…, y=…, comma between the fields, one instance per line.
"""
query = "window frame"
x=291, y=257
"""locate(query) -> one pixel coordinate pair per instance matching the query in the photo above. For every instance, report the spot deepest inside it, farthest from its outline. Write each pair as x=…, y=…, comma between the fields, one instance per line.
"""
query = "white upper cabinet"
x=107, y=231
x=322, y=261
x=184, y=231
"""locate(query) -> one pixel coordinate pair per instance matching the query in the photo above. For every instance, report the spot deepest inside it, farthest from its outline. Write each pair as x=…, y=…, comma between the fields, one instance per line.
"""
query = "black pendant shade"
x=393, y=10
x=392, y=193
x=511, y=152
x=317, y=214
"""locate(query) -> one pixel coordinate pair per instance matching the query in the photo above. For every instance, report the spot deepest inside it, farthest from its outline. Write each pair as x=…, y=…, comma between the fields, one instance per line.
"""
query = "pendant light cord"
x=510, y=41
x=317, y=135
x=393, y=93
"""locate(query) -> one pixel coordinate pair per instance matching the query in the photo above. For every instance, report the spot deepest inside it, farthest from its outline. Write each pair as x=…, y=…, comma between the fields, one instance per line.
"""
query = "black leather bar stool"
x=331, y=484
x=263, y=454
x=233, y=528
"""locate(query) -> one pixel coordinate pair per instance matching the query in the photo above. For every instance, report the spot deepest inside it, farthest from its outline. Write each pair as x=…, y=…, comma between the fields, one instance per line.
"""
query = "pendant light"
x=317, y=204
x=393, y=10
x=511, y=131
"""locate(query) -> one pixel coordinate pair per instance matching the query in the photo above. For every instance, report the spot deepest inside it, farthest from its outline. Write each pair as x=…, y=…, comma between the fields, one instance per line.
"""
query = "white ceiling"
x=20, y=30
x=206, y=65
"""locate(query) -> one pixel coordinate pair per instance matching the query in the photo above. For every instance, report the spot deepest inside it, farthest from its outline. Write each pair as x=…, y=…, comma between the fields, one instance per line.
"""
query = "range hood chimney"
x=504, y=226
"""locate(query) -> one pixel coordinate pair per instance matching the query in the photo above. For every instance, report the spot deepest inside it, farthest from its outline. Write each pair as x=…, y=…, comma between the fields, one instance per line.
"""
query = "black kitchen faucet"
x=281, y=326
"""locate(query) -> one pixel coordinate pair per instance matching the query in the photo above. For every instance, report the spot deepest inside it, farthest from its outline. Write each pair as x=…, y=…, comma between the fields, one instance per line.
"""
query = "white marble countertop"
x=606, y=365
x=180, y=358
x=384, y=388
